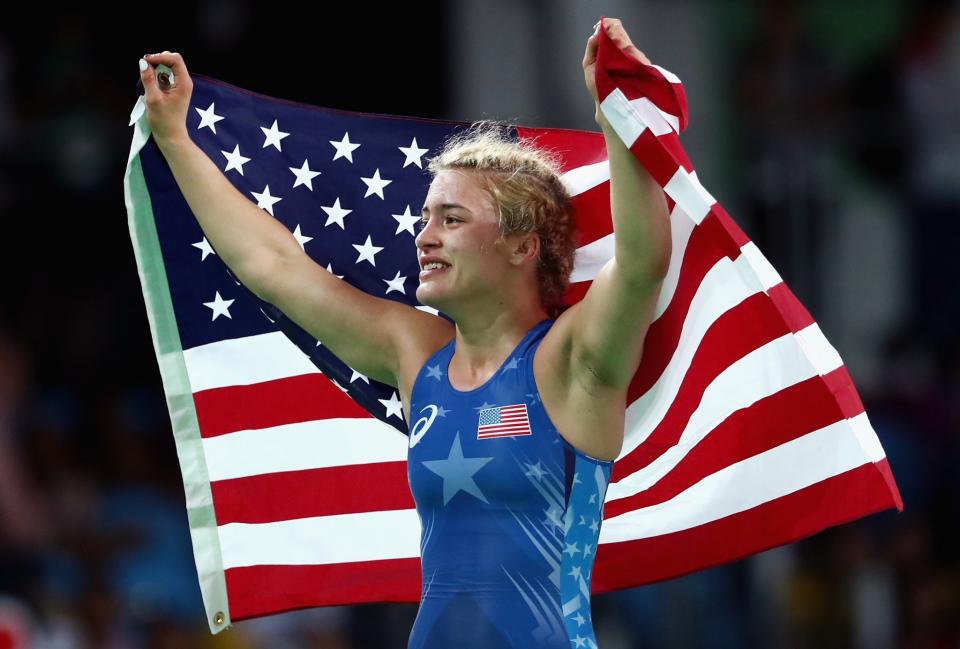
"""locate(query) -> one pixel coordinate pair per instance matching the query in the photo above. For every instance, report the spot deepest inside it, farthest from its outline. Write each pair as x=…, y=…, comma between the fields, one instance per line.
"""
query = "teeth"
x=433, y=265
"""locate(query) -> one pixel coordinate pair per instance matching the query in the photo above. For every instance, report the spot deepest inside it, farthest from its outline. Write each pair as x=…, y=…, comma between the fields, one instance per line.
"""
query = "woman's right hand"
x=167, y=108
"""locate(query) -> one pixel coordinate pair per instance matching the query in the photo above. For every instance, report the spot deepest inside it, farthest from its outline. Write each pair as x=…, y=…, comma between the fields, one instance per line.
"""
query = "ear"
x=525, y=248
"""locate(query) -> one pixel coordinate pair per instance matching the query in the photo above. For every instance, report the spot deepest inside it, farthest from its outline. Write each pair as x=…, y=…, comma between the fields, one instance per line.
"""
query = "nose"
x=427, y=237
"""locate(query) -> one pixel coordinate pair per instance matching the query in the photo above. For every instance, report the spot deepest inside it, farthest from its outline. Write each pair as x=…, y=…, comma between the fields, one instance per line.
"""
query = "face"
x=461, y=253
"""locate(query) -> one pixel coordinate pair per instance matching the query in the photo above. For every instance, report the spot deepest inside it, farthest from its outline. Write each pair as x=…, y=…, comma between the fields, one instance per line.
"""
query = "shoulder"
x=421, y=338
x=587, y=413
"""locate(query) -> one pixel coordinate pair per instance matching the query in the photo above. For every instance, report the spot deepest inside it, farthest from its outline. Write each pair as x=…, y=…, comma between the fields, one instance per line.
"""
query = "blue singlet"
x=510, y=512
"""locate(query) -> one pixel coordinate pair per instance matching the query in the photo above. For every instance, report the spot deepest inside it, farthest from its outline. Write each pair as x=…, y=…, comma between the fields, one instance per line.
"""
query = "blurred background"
x=828, y=129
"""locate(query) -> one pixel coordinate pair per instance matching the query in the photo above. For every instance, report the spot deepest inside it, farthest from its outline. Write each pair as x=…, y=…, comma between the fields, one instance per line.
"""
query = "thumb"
x=148, y=78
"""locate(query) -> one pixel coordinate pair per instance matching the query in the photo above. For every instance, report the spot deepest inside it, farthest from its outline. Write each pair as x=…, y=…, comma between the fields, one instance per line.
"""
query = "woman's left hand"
x=616, y=33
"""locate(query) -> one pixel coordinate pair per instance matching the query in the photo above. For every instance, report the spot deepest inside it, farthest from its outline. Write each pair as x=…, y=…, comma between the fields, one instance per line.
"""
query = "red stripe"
x=634, y=79
x=261, y=590
x=328, y=491
x=272, y=403
x=661, y=161
x=576, y=148
x=842, y=498
x=505, y=430
x=486, y=435
x=739, y=331
x=766, y=424
x=592, y=214
x=705, y=248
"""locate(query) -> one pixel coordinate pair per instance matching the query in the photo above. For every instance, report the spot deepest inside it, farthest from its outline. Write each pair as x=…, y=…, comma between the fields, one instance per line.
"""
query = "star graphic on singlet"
x=433, y=371
x=457, y=472
x=512, y=365
x=442, y=412
x=484, y=406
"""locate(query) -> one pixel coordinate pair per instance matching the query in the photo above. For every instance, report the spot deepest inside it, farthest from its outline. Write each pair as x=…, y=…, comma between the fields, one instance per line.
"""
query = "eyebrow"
x=445, y=206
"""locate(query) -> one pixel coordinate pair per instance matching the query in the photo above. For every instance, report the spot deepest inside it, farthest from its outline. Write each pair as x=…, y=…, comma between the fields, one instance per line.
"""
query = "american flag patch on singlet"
x=504, y=421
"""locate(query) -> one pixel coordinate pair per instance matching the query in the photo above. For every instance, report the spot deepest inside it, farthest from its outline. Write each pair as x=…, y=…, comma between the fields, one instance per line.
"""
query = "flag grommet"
x=219, y=618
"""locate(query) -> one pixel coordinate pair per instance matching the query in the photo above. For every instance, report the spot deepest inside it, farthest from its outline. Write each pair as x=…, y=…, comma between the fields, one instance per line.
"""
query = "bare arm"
x=376, y=337
x=608, y=326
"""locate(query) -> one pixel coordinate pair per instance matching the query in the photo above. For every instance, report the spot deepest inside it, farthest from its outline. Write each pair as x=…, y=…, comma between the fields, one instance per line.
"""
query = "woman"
x=516, y=411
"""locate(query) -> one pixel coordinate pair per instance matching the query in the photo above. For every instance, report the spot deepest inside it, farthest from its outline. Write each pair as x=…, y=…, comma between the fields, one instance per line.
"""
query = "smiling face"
x=462, y=255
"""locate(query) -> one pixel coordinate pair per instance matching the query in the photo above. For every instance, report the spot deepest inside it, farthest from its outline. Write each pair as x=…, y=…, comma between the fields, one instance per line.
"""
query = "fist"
x=615, y=31
x=167, y=105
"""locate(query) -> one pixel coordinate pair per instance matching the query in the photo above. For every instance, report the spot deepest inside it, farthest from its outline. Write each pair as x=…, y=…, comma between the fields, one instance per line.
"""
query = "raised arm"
x=375, y=336
x=608, y=326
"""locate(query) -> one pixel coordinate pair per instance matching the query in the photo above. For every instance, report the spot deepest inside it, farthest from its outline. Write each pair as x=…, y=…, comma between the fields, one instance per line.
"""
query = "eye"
x=450, y=219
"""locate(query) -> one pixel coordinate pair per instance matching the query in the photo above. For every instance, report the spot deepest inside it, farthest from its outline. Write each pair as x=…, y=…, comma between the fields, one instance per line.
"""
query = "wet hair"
x=525, y=185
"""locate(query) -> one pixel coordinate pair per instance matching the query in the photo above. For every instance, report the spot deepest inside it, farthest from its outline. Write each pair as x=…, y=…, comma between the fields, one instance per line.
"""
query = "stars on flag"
x=265, y=200
x=413, y=154
x=301, y=239
x=367, y=251
x=240, y=140
x=208, y=118
x=235, y=160
x=219, y=306
x=272, y=136
x=396, y=284
x=335, y=214
x=393, y=405
x=375, y=184
x=205, y=247
x=304, y=175
x=344, y=147
x=406, y=221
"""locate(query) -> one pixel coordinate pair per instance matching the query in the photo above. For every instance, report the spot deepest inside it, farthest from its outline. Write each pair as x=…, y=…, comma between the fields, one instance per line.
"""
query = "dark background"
x=828, y=130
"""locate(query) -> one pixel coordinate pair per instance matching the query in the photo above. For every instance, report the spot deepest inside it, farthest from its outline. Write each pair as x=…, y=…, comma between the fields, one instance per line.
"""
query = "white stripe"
x=245, y=361
x=623, y=117
x=585, y=178
x=322, y=540
x=681, y=227
x=669, y=76
x=799, y=463
x=764, y=371
x=658, y=121
x=685, y=189
x=764, y=269
x=723, y=287
x=821, y=353
x=867, y=437
x=306, y=445
x=590, y=259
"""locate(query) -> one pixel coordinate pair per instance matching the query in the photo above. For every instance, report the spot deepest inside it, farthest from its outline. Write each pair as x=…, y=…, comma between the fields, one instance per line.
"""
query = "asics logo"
x=422, y=425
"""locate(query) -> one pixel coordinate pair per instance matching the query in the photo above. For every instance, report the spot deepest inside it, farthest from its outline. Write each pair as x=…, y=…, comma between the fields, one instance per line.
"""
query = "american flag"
x=743, y=428
x=504, y=421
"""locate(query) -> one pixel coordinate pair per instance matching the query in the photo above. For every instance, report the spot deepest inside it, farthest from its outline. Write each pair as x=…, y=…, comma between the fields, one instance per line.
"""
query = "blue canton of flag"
x=348, y=186
x=504, y=421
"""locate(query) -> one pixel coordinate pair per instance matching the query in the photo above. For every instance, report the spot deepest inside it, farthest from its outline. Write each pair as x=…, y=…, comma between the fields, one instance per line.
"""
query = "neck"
x=486, y=336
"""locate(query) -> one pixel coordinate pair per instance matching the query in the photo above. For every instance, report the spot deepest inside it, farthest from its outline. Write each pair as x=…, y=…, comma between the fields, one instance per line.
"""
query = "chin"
x=433, y=296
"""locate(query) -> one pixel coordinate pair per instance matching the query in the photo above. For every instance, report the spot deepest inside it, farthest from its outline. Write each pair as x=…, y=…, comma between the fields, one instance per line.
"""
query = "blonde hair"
x=529, y=197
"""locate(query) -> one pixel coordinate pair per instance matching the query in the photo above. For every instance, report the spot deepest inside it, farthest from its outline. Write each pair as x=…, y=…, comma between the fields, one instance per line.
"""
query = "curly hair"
x=529, y=196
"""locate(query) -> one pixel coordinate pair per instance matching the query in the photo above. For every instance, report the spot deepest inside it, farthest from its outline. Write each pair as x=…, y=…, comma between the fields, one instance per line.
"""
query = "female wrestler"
x=516, y=411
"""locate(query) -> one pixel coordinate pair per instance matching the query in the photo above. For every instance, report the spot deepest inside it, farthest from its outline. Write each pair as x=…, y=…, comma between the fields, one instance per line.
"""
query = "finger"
x=590, y=53
x=618, y=34
x=171, y=59
x=148, y=78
